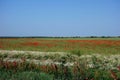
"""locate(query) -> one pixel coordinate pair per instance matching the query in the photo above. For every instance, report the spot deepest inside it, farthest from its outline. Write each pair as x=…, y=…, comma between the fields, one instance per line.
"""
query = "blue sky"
x=59, y=17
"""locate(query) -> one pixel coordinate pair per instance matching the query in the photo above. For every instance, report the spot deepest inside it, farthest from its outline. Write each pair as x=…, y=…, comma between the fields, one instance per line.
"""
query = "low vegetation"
x=84, y=45
x=59, y=59
x=58, y=66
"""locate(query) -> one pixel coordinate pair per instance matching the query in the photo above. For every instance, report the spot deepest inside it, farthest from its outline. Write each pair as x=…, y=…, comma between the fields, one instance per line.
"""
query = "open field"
x=84, y=45
x=60, y=59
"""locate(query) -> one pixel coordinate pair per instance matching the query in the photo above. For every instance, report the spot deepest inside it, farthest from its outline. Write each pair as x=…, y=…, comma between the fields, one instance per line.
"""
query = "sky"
x=59, y=17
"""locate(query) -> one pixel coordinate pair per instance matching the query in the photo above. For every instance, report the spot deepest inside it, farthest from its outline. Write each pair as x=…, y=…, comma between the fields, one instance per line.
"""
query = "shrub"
x=76, y=52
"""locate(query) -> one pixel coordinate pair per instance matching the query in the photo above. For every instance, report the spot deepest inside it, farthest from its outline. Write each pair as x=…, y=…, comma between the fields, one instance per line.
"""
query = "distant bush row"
x=59, y=37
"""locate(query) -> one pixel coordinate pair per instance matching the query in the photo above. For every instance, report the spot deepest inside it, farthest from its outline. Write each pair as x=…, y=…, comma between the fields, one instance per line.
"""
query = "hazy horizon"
x=59, y=18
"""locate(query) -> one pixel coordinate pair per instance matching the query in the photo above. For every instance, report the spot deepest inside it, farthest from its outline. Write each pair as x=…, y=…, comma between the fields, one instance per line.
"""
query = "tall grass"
x=31, y=71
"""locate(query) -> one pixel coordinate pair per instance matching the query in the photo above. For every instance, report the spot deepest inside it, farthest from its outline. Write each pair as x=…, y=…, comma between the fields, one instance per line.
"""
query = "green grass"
x=24, y=75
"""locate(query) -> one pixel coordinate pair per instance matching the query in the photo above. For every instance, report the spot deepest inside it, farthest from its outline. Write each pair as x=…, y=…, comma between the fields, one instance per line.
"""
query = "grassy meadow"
x=84, y=45
x=59, y=58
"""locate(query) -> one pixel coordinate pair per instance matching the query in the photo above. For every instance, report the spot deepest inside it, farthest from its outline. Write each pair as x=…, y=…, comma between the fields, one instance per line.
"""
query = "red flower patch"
x=1, y=46
x=31, y=44
x=95, y=42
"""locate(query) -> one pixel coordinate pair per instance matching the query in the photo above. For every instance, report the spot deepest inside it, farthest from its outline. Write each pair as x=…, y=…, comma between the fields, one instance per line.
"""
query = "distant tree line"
x=60, y=37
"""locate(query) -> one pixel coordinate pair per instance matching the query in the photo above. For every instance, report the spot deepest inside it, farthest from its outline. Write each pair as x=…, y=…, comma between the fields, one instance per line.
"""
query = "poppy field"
x=59, y=59
x=86, y=46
